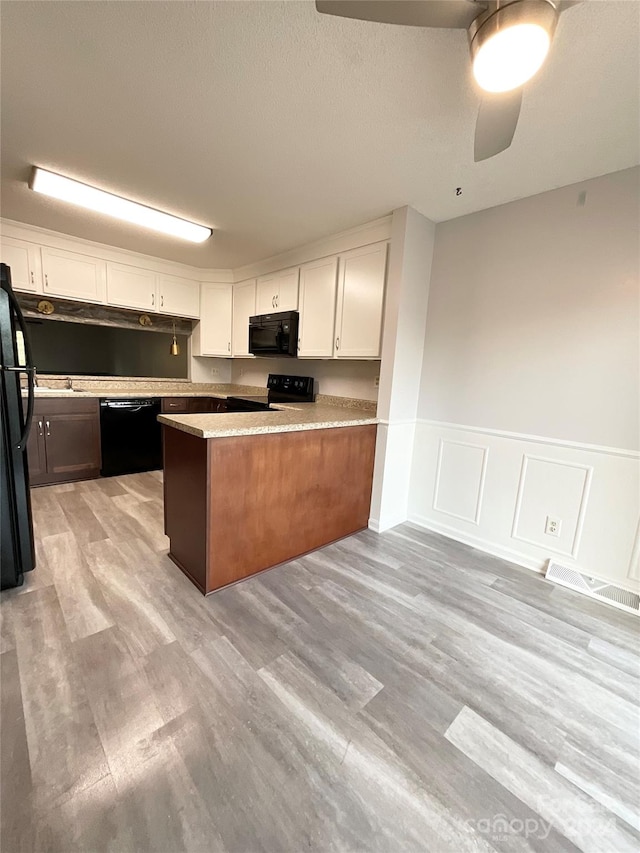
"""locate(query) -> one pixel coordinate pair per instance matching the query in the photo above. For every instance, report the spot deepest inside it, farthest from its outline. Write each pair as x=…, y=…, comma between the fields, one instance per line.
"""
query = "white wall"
x=337, y=378
x=205, y=369
x=533, y=316
x=407, y=295
x=530, y=386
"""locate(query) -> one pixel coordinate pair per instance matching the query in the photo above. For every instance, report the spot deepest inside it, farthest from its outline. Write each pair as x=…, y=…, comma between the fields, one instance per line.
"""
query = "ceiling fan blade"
x=563, y=5
x=496, y=124
x=453, y=14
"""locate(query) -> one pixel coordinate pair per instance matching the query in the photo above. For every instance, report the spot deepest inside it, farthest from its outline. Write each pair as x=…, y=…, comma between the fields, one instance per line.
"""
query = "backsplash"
x=353, y=379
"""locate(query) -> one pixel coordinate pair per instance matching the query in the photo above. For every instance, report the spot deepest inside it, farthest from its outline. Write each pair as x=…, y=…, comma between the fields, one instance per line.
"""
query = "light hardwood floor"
x=388, y=693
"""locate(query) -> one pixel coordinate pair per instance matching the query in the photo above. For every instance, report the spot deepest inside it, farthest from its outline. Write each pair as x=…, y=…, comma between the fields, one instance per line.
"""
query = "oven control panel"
x=293, y=389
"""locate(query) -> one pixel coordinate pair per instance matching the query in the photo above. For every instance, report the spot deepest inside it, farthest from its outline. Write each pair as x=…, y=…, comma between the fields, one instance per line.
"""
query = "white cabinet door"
x=212, y=335
x=360, y=302
x=244, y=306
x=131, y=287
x=277, y=291
x=23, y=258
x=73, y=276
x=318, y=285
x=287, y=298
x=266, y=294
x=179, y=296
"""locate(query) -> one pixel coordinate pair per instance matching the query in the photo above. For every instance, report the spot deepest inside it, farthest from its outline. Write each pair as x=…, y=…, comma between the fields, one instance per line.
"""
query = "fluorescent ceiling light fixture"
x=509, y=45
x=75, y=192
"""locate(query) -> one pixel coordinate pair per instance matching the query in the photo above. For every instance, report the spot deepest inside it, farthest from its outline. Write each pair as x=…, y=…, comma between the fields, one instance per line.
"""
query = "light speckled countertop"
x=141, y=388
x=283, y=418
x=124, y=388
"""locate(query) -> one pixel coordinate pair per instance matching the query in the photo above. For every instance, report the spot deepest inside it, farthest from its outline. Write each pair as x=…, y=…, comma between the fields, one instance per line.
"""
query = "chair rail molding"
x=536, y=439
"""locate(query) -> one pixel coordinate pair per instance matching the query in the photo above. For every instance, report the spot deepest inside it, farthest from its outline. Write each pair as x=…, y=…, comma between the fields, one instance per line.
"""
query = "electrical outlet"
x=552, y=527
x=215, y=371
x=376, y=382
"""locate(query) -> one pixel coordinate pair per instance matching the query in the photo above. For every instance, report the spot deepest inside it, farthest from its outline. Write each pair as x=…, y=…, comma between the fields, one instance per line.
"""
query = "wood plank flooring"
x=387, y=693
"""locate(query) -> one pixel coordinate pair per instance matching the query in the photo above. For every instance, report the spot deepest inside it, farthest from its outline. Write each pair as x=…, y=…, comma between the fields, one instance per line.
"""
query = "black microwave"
x=274, y=335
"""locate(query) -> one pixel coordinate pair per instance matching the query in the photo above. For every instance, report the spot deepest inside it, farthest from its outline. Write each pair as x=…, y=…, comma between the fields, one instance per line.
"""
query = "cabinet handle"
x=273, y=302
x=33, y=280
x=48, y=426
x=229, y=346
x=337, y=343
x=277, y=300
x=153, y=300
x=46, y=280
x=40, y=433
x=162, y=301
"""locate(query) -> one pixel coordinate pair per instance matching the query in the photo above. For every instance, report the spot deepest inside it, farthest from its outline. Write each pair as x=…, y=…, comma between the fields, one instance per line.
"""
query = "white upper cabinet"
x=288, y=291
x=244, y=306
x=318, y=286
x=131, y=287
x=361, y=283
x=73, y=276
x=24, y=260
x=178, y=296
x=277, y=292
x=212, y=335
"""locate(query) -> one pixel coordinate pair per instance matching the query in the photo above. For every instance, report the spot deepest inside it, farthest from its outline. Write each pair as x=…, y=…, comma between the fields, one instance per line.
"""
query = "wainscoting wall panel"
x=535, y=503
x=460, y=479
x=494, y=490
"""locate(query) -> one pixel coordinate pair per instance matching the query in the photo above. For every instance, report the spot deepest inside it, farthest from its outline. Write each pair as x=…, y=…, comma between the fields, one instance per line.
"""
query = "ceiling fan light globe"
x=510, y=57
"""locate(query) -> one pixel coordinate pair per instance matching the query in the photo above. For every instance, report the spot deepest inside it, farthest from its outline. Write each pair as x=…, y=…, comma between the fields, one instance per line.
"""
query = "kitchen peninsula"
x=246, y=491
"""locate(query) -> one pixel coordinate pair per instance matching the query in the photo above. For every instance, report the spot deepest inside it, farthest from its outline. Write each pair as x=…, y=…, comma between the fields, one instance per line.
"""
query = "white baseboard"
x=492, y=548
x=379, y=526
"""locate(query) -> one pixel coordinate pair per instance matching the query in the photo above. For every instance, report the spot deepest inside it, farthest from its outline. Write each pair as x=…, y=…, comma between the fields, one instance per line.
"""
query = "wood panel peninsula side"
x=246, y=491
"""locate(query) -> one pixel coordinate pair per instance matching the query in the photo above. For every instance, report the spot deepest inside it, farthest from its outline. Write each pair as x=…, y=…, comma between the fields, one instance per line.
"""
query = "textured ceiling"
x=279, y=126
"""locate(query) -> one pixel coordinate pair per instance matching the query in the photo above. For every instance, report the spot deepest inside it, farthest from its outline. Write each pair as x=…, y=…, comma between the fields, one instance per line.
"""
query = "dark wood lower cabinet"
x=237, y=505
x=193, y=405
x=36, y=451
x=64, y=443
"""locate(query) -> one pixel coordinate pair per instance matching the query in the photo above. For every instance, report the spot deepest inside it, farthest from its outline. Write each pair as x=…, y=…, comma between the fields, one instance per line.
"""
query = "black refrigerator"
x=17, y=553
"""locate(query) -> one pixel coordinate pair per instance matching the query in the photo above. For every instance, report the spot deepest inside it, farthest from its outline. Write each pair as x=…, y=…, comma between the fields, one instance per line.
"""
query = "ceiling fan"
x=509, y=41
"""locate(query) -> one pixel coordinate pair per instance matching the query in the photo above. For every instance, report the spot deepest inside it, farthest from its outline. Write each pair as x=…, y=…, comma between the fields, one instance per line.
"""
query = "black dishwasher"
x=131, y=436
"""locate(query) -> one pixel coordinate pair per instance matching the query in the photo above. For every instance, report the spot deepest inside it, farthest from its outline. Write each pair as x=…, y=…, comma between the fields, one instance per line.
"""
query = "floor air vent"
x=593, y=587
